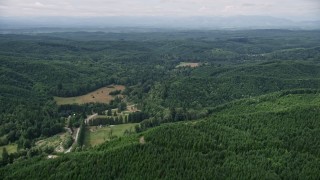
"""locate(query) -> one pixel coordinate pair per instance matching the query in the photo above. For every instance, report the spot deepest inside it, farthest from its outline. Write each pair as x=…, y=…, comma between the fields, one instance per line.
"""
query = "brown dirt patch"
x=98, y=96
x=188, y=64
x=141, y=140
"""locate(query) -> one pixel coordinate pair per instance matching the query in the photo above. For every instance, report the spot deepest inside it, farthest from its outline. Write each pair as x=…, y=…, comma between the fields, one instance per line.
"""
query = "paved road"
x=86, y=121
x=69, y=150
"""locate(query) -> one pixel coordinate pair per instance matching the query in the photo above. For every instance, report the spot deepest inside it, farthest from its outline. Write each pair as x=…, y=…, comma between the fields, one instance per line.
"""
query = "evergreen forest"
x=209, y=104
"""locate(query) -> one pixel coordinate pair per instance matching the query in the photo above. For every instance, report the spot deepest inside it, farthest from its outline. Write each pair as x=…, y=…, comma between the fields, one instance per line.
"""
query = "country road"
x=86, y=121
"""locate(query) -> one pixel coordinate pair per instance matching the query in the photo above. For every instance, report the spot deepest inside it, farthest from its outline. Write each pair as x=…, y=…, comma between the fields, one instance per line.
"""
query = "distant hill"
x=195, y=22
x=250, y=110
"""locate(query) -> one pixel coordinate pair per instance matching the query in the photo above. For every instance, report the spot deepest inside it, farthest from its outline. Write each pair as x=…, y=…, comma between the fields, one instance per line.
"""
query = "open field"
x=98, y=96
x=11, y=148
x=96, y=135
x=187, y=64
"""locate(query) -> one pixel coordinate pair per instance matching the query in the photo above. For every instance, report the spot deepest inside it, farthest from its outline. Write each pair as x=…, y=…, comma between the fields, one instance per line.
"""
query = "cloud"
x=38, y=4
x=284, y=8
x=248, y=4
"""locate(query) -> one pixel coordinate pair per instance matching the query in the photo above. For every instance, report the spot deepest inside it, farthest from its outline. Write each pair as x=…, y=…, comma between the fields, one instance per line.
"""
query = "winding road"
x=86, y=121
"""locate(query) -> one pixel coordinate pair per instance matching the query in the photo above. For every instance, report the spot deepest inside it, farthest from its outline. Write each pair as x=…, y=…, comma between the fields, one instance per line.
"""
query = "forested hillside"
x=248, y=109
x=272, y=143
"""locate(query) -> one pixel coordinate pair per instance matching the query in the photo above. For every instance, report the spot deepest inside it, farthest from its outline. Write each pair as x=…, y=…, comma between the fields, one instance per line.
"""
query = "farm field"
x=96, y=135
x=100, y=95
x=188, y=64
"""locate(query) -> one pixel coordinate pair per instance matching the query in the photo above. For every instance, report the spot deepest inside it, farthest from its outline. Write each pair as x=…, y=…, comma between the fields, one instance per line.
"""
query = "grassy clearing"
x=11, y=148
x=96, y=135
x=188, y=64
x=98, y=96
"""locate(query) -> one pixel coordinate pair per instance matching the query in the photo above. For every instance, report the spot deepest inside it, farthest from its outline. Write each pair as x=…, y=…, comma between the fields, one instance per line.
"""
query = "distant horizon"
x=298, y=10
x=162, y=16
x=186, y=14
x=166, y=22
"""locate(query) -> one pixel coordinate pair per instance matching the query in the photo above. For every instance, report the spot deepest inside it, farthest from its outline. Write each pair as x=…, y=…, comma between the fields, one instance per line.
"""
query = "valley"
x=160, y=105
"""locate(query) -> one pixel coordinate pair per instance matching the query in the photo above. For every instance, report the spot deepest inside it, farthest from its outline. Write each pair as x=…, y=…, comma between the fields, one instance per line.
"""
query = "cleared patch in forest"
x=141, y=140
x=188, y=64
x=11, y=148
x=98, y=96
x=54, y=141
x=96, y=135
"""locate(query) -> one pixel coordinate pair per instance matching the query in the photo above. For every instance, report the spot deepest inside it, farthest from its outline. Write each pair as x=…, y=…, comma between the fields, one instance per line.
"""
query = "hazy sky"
x=293, y=9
